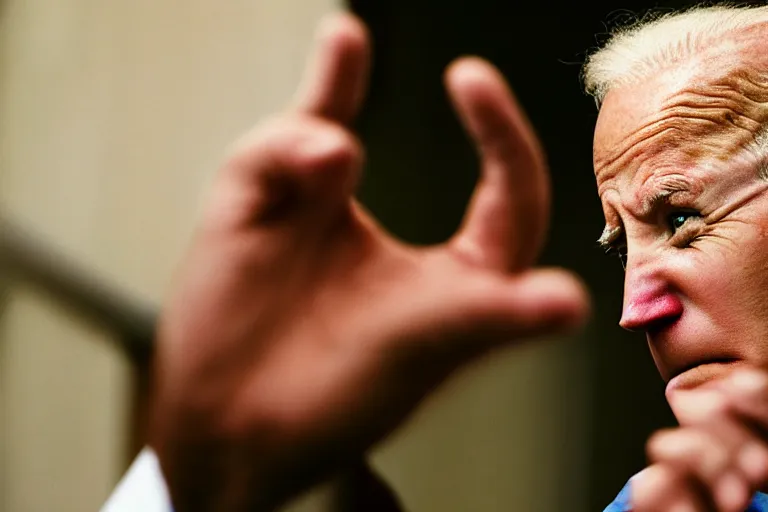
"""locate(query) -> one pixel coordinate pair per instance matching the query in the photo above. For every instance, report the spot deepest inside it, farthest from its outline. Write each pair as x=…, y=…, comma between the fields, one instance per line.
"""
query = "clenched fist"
x=718, y=457
x=299, y=332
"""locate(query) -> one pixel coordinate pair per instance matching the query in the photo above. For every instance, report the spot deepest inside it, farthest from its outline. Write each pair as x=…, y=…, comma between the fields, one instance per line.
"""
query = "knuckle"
x=750, y=381
x=656, y=487
x=249, y=146
x=753, y=461
x=330, y=150
x=303, y=142
x=295, y=143
x=660, y=443
x=731, y=492
x=693, y=448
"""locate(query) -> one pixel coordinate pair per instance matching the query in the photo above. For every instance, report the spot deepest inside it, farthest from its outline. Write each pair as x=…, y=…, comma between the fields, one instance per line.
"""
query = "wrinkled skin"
x=680, y=184
x=299, y=333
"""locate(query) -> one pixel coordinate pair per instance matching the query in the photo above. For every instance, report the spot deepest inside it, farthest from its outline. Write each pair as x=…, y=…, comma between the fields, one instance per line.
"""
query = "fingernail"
x=731, y=492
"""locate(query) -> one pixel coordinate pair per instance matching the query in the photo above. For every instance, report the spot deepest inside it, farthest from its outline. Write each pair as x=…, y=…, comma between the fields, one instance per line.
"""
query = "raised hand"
x=718, y=457
x=299, y=332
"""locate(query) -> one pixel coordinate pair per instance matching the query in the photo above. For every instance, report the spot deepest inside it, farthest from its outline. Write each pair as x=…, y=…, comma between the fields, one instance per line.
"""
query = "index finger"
x=336, y=77
x=747, y=389
x=743, y=392
x=509, y=213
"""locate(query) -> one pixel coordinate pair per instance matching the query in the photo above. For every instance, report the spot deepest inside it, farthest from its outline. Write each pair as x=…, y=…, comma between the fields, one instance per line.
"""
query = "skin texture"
x=299, y=333
x=679, y=181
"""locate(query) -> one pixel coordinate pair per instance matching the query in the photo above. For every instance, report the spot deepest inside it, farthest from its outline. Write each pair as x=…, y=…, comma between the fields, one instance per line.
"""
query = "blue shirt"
x=622, y=502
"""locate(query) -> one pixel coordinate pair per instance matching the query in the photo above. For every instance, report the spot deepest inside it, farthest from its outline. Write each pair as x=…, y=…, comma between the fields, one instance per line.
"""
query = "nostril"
x=662, y=323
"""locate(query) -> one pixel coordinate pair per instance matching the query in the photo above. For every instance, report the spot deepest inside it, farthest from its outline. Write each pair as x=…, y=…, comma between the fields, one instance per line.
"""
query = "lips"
x=702, y=373
x=699, y=373
x=686, y=348
x=688, y=354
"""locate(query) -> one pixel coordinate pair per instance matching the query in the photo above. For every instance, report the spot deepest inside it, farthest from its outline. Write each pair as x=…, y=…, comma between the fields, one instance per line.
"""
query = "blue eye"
x=678, y=219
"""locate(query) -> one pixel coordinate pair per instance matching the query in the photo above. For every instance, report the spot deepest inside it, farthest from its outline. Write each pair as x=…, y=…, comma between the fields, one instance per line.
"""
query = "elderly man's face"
x=680, y=186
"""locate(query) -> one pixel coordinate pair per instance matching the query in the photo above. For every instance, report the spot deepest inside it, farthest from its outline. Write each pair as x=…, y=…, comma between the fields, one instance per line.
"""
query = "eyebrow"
x=661, y=192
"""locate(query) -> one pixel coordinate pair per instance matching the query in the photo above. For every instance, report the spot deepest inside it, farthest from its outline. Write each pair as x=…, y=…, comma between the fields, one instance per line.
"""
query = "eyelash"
x=683, y=233
x=687, y=231
x=619, y=249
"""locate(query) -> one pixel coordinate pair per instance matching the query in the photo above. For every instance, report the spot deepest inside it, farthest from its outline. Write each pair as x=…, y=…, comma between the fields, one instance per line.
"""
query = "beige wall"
x=113, y=116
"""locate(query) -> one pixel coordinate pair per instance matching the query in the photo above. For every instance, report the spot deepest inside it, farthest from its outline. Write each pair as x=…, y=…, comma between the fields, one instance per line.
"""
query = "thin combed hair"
x=658, y=40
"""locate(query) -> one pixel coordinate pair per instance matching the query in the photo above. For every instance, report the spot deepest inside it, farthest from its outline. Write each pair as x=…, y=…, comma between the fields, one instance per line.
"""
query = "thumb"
x=513, y=308
x=506, y=222
x=542, y=301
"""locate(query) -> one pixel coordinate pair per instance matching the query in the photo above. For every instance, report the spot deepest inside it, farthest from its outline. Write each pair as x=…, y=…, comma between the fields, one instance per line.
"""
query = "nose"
x=649, y=301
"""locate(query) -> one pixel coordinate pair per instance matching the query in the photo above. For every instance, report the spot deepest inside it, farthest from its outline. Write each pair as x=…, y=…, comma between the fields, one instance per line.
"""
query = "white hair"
x=657, y=41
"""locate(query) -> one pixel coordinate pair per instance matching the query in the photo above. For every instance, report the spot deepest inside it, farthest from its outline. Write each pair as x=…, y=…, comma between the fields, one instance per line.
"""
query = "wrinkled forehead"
x=703, y=108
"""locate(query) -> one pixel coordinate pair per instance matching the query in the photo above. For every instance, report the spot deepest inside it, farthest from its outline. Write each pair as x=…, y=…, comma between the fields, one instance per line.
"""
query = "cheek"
x=728, y=284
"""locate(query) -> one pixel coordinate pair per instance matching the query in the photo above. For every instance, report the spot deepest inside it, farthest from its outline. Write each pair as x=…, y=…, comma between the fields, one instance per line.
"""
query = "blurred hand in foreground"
x=299, y=332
